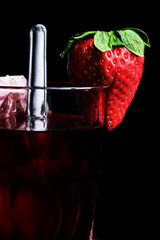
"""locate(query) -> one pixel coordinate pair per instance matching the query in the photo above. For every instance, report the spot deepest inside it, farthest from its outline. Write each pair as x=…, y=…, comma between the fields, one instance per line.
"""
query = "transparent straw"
x=37, y=95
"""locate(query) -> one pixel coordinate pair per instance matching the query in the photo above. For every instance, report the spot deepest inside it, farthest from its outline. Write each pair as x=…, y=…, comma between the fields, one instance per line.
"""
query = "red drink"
x=47, y=183
x=48, y=178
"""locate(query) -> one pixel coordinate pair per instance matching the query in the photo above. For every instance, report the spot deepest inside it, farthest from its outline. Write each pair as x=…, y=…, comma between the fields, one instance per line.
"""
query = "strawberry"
x=113, y=59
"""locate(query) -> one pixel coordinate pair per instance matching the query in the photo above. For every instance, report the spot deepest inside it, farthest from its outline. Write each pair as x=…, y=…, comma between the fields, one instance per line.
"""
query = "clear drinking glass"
x=48, y=175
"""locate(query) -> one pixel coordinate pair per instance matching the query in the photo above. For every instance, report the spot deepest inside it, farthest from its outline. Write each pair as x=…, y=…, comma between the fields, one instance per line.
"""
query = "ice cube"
x=13, y=101
x=17, y=81
x=11, y=81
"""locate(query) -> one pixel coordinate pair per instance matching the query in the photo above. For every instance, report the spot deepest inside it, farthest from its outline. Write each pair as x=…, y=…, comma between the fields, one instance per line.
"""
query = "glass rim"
x=52, y=88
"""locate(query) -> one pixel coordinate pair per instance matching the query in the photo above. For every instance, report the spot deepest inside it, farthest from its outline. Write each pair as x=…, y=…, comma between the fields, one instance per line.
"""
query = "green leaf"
x=116, y=40
x=70, y=42
x=142, y=34
x=132, y=41
x=103, y=40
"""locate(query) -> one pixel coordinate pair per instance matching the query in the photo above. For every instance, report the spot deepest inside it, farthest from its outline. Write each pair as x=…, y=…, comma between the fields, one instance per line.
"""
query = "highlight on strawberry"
x=113, y=59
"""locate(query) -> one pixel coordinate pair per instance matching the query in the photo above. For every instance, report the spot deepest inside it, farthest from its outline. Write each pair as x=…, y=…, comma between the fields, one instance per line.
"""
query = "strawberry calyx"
x=133, y=39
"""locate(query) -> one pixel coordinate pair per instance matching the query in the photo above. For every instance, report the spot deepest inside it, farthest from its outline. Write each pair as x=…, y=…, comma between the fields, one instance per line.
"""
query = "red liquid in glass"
x=48, y=183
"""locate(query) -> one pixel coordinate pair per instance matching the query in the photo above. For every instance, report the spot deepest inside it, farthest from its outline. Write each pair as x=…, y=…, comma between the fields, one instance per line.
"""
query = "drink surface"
x=47, y=183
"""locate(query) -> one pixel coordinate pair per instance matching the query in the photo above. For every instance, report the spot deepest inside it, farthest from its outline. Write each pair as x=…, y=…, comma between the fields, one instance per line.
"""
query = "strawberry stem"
x=84, y=34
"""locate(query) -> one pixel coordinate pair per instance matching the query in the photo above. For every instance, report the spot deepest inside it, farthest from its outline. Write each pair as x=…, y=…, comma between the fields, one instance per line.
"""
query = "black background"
x=127, y=199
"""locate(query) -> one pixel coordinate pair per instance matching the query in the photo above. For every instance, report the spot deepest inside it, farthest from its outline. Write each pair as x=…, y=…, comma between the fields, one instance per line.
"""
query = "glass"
x=48, y=176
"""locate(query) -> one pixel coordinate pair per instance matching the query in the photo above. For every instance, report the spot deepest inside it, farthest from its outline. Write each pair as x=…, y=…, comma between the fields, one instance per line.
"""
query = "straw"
x=37, y=96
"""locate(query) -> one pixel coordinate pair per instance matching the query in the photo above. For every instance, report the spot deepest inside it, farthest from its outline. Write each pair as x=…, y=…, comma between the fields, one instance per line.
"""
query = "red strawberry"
x=126, y=69
x=114, y=59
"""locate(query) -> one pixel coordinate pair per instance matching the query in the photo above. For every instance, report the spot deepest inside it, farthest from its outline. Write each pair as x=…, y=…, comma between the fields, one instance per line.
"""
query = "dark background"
x=128, y=196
